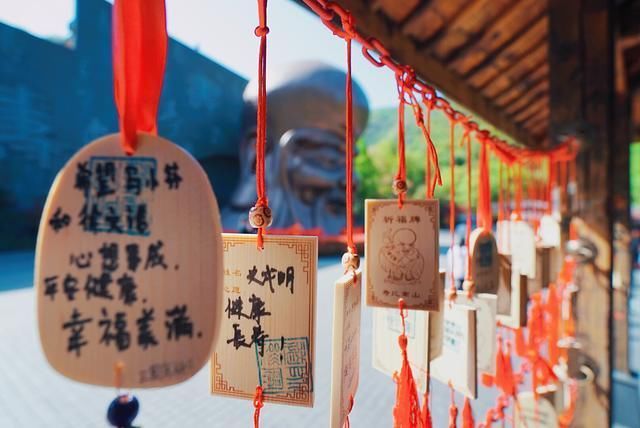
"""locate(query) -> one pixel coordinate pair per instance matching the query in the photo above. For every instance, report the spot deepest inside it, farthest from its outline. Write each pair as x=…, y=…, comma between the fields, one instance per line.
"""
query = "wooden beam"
x=510, y=54
x=530, y=83
x=404, y=50
x=396, y=10
x=528, y=97
x=431, y=18
x=635, y=114
x=535, y=108
x=503, y=31
x=525, y=70
x=581, y=102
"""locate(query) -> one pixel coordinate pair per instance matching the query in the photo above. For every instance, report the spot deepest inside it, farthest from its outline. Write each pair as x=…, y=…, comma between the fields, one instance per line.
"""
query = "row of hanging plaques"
x=133, y=272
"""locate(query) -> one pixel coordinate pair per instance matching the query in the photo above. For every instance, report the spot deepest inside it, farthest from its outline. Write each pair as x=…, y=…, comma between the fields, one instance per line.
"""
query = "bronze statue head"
x=305, y=151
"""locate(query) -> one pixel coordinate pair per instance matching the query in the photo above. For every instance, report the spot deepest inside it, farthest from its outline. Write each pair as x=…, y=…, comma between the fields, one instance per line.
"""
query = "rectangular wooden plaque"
x=267, y=334
x=345, y=366
x=402, y=253
x=486, y=307
x=457, y=364
x=518, y=298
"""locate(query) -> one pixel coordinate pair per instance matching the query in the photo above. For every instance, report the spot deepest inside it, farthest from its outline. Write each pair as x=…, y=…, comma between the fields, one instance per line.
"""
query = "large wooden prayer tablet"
x=267, y=333
x=129, y=266
x=402, y=253
x=345, y=364
x=523, y=248
x=485, y=265
x=486, y=308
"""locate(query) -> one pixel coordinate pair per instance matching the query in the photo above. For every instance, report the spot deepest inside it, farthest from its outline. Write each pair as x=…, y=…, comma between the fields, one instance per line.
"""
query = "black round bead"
x=123, y=410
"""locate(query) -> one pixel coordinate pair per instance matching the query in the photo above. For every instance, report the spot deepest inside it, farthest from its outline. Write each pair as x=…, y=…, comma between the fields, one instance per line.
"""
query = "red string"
x=347, y=423
x=484, y=215
x=258, y=403
x=261, y=127
x=139, y=58
x=453, y=410
x=427, y=166
x=349, y=145
x=402, y=168
x=452, y=202
x=518, y=210
x=466, y=140
x=406, y=412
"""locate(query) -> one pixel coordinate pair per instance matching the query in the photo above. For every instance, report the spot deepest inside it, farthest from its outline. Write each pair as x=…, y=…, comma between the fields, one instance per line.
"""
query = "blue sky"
x=223, y=31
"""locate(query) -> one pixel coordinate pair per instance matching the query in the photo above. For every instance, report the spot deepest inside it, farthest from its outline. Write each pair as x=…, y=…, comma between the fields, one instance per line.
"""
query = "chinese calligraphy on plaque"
x=457, y=364
x=402, y=253
x=267, y=328
x=129, y=265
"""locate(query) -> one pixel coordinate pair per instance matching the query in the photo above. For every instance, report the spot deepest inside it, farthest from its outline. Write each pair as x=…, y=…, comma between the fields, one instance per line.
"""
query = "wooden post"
x=581, y=82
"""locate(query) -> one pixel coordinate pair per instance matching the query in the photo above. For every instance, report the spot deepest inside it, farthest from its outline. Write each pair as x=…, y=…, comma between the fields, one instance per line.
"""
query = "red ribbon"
x=139, y=58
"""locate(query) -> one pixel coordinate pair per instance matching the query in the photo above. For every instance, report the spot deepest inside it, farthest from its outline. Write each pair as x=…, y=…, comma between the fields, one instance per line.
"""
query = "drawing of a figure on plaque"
x=115, y=282
x=402, y=253
x=400, y=258
x=267, y=330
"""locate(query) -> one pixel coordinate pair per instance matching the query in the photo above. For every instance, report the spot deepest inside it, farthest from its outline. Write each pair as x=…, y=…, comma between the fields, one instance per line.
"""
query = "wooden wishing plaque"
x=402, y=253
x=128, y=267
x=486, y=307
x=267, y=330
x=504, y=285
x=424, y=334
x=530, y=412
x=502, y=232
x=345, y=368
x=457, y=364
x=516, y=317
x=523, y=248
x=549, y=231
x=484, y=261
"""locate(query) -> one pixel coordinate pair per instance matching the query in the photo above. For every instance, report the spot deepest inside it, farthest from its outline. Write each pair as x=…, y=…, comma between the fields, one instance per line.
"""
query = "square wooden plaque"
x=402, y=253
x=267, y=334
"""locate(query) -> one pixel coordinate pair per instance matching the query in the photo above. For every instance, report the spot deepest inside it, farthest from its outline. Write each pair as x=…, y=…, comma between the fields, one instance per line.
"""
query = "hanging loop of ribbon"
x=404, y=80
x=260, y=216
x=139, y=59
x=258, y=403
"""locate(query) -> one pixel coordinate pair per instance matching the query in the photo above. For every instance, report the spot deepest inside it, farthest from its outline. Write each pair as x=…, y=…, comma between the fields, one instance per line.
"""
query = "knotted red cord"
x=139, y=58
x=425, y=414
x=427, y=166
x=466, y=141
x=261, y=117
x=431, y=159
x=258, y=403
x=347, y=424
x=406, y=412
x=348, y=24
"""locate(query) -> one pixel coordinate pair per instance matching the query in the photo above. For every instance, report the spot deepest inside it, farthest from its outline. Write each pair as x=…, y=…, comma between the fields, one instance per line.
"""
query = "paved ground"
x=33, y=395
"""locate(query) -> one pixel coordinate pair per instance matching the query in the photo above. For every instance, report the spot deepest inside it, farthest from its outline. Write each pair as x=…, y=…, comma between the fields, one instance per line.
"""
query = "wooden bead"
x=350, y=261
x=399, y=186
x=260, y=216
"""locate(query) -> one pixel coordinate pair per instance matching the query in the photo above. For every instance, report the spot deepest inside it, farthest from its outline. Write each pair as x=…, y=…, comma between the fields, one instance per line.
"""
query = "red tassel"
x=425, y=415
x=406, y=412
x=509, y=385
x=553, y=310
x=258, y=402
x=467, y=414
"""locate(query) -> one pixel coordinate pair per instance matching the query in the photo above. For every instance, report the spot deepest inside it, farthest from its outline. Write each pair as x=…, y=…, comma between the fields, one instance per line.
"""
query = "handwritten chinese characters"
x=267, y=331
x=457, y=364
x=402, y=249
x=129, y=265
x=345, y=366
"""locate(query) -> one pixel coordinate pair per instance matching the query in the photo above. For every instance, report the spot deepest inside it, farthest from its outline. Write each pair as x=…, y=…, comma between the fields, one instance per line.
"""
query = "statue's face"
x=305, y=165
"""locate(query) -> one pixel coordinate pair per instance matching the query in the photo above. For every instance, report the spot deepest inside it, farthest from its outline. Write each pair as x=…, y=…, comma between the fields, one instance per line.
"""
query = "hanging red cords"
x=401, y=175
x=348, y=27
x=261, y=118
x=452, y=200
x=258, y=403
x=139, y=58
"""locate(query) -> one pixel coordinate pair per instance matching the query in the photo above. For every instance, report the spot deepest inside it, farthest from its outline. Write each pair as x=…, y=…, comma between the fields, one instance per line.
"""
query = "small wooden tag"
x=129, y=266
x=530, y=412
x=424, y=331
x=486, y=308
x=484, y=261
x=523, y=248
x=503, y=236
x=544, y=261
x=267, y=330
x=504, y=285
x=458, y=364
x=517, y=316
x=402, y=253
x=345, y=366
x=549, y=231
